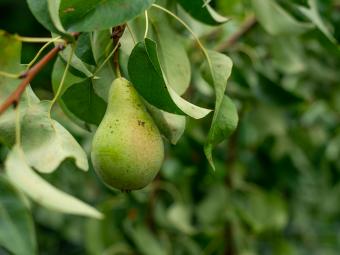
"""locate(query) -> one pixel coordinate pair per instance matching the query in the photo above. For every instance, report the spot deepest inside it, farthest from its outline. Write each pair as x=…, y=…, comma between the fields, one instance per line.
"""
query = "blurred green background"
x=276, y=188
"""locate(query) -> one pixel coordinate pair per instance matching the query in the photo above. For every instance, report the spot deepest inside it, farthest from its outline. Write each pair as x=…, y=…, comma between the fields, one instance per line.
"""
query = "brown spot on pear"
x=130, y=157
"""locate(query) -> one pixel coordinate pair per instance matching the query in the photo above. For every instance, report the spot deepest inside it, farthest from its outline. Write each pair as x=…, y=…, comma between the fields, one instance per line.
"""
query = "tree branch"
x=248, y=24
x=27, y=77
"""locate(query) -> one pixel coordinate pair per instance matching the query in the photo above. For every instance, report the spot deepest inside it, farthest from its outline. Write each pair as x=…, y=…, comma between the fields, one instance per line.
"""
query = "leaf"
x=153, y=87
x=180, y=217
x=46, y=12
x=211, y=210
x=45, y=142
x=79, y=99
x=57, y=73
x=225, y=117
x=84, y=103
x=53, y=8
x=203, y=12
x=173, y=56
x=86, y=16
x=273, y=92
x=76, y=62
x=172, y=126
x=262, y=211
x=23, y=177
x=17, y=233
x=84, y=50
x=102, y=46
x=313, y=15
x=10, y=50
x=288, y=54
x=145, y=241
x=275, y=20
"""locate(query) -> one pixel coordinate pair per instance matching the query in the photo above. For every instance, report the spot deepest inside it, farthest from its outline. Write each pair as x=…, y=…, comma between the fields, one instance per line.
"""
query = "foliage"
x=276, y=182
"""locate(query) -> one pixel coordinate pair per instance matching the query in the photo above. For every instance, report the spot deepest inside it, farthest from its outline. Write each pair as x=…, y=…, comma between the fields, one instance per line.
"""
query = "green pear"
x=127, y=148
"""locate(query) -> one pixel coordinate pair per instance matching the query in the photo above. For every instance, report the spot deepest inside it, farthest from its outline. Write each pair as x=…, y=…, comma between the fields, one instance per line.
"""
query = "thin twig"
x=248, y=24
x=27, y=77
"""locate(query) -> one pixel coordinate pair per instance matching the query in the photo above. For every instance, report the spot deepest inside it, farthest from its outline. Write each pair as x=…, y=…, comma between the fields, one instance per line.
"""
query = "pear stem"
x=117, y=33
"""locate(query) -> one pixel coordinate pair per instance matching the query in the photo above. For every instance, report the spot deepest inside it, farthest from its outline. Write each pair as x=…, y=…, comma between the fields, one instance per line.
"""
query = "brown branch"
x=117, y=33
x=27, y=77
x=248, y=24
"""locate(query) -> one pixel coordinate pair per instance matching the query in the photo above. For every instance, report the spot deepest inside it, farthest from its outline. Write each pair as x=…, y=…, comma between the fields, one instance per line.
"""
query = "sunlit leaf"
x=24, y=178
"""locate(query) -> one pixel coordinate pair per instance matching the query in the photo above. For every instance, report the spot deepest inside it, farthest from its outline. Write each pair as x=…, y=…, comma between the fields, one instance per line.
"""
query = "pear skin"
x=127, y=148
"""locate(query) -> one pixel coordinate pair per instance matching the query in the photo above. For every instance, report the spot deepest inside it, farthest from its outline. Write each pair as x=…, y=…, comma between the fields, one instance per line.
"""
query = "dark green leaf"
x=273, y=92
x=86, y=16
x=84, y=49
x=84, y=103
x=153, y=86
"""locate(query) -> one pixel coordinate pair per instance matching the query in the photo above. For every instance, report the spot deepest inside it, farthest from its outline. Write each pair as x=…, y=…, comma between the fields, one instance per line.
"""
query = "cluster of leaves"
x=276, y=184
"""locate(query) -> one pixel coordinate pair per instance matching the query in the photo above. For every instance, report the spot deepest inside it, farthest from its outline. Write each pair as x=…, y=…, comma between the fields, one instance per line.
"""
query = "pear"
x=127, y=148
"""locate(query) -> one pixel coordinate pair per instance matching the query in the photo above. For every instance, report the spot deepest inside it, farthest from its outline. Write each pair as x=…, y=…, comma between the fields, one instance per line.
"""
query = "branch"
x=248, y=24
x=27, y=77
x=117, y=33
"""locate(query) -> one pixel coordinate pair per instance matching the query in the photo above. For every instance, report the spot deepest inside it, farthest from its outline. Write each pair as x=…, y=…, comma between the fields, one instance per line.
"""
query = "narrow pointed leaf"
x=41, y=191
x=225, y=117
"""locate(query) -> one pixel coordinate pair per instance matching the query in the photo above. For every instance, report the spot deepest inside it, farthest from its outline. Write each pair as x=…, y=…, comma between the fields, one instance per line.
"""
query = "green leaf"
x=76, y=62
x=179, y=216
x=211, y=210
x=17, y=233
x=84, y=103
x=288, y=54
x=172, y=126
x=273, y=92
x=86, y=16
x=202, y=11
x=57, y=73
x=173, y=56
x=44, y=140
x=102, y=46
x=261, y=210
x=84, y=50
x=225, y=117
x=153, y=87
x=46, y=12
x=275, y=20
x=145, y=241
x=10, y=51
x=313, y=15
x=53, y=8
x=24, y=178
x=47, y=143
